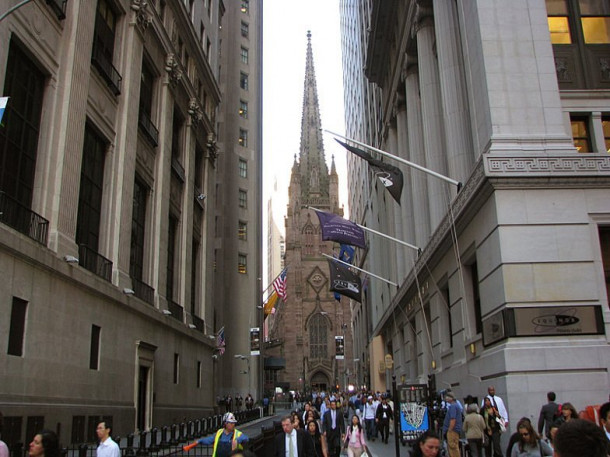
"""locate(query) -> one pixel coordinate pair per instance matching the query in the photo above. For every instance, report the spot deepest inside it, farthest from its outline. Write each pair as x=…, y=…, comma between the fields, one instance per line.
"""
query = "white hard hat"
x=229, y=417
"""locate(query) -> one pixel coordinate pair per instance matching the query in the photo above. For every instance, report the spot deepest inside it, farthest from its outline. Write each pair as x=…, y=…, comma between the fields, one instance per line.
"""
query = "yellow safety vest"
x=236, y=434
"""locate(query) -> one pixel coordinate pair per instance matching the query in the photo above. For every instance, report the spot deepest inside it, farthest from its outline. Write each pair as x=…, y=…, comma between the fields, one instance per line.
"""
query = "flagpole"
x=404, y=243
x=360, y=269
x=400, y=159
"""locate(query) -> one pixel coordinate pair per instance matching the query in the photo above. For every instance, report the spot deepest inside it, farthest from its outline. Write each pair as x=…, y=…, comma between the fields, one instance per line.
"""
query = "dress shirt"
x=292, y=437
x=108, y=448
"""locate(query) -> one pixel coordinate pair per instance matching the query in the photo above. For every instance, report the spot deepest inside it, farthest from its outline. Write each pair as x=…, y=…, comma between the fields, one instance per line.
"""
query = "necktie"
x=493, y=400
x=291, y=452
x=333, y=416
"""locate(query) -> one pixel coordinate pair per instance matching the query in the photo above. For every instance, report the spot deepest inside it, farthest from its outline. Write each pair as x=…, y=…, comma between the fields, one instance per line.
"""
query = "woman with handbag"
x=354, y=440
x=492, y=418
x=530, y=444
x=474, y=427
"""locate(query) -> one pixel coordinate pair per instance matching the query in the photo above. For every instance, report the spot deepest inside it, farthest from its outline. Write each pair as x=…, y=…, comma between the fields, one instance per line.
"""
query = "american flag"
x=280, y=285
x=220, y=341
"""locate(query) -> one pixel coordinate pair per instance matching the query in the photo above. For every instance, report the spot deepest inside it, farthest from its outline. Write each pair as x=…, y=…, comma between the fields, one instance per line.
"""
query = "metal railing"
x=106, y=70
x=176, y=310
x=143, y=291
x=23, y=219
x=148, y=128
x=94, y=262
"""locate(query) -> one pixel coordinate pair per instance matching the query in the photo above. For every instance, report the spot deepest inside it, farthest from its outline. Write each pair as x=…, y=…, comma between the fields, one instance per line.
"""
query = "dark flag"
x=346, y=253
x=389, y=175
x=335, y=228
x=344, y=282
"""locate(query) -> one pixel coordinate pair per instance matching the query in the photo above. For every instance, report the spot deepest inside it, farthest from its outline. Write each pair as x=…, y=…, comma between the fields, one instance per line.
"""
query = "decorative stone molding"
x=195, y=110
x=172, y=69
x=561, y=68
x=522, y=165
x=211, y=147
x=604, y=67
x=143, y=16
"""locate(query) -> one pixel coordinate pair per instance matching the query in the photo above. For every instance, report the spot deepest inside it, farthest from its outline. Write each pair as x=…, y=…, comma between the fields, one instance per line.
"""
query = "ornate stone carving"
x=557, y=165
x=195, y=110
x=172, y=69
x=143, y=16
x=211, y=147
x=604, y=66
x=561, y=67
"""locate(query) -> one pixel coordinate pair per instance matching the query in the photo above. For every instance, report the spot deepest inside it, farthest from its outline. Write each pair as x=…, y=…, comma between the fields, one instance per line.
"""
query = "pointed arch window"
x=318, y=337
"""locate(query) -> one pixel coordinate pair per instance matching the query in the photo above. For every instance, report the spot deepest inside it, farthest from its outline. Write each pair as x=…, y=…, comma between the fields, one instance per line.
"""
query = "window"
x=606, y=128
x=243, y=168
x=103, y=45
x=242, y=263
x=243, y=81
x=604, y=241
x=245, y=6
x=17, y=329
x=20, y=126
x=243, y=138
x=476, y=297
x=318, y=337
x=194, y=275
x=198, y=374
x=244, y=55
x=580, y=34
x=308, y=246
x=446, y=307
x=243, y=109
x=176, y=368
x=243, y=199
x=91, y=189
x=94, y=352
x=138, y=223
x=245, y=29
x=171, y=260
x=146, y=104
x=242, y=230
x=580, y=133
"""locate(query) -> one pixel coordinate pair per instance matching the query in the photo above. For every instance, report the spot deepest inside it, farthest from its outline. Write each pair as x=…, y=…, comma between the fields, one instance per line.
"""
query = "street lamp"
x=247, y=359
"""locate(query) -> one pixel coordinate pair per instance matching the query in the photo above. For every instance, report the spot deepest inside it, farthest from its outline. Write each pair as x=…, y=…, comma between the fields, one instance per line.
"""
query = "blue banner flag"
x=335, y=228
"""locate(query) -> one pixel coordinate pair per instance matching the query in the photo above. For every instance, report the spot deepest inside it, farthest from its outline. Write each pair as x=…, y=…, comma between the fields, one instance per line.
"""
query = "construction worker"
x=226, y=439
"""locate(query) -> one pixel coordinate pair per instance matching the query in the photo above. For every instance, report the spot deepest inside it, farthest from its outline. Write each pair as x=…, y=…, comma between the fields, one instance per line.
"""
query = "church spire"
x=314, y=170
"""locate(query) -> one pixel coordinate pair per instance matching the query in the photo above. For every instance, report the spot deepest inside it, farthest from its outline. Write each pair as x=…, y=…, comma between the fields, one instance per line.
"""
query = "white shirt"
x=369, y=410
x=293, y=437
x=500, y=404
x=108, y=448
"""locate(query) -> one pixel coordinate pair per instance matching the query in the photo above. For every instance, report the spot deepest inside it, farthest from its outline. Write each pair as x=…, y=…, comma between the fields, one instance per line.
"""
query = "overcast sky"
x=285, y=26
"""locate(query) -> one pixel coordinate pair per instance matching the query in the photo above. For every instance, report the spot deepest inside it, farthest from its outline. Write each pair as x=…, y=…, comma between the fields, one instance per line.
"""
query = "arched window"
x=318, y=337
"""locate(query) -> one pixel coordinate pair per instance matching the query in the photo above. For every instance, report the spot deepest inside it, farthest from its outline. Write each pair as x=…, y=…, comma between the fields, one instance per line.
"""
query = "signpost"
x=413, y=409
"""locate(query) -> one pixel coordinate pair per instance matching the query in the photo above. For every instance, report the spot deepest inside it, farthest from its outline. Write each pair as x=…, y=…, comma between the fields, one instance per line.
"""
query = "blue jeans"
x=371, y=431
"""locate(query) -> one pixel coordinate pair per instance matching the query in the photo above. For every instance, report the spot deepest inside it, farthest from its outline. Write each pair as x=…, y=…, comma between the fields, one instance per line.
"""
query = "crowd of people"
x=229, y=403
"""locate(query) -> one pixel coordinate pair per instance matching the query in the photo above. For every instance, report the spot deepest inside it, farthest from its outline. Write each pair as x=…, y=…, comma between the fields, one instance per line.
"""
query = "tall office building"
x=308, y=323
x=509, y=100
x=239, y=203
x=109, y=158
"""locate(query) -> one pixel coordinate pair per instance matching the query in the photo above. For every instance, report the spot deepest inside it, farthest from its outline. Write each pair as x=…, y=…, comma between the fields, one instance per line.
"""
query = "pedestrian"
x=382, y=419
x=515, y=437
x=317, y=440
x=370, y=410
x=580, y=438
x=333, y=427
x=291, y=442
x=529, y=444
x=354, y=440
x=452, y=426
x=498, y=403
x=226, y=439
x=492, y=421
x=44, y=444
x=107, y=447
x=3, y=447
x=568, y=413
x=427, y=445
x=548, y=414
x=604, y=418
x=249, y=402
x=474, y=427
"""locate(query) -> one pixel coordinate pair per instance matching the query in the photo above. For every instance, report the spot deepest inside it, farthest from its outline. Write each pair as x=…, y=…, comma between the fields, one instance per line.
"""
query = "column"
x=399, y=211
x=432, y=116
x=453, y=90
x=419, y=189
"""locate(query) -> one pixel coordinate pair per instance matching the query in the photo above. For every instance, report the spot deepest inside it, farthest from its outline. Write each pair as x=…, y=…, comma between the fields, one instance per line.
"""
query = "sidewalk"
x=379, y=449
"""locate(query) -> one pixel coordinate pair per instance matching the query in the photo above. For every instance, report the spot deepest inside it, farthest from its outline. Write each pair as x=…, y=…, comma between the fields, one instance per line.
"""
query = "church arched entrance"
x=319, y=381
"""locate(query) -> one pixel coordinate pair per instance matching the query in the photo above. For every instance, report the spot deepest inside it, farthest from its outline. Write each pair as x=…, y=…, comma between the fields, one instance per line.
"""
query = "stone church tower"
x=307, y=323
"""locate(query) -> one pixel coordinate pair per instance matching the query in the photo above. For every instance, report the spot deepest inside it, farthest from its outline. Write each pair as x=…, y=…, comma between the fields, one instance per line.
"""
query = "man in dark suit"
x=291, y=442
x=548, y=414
x=334, y=429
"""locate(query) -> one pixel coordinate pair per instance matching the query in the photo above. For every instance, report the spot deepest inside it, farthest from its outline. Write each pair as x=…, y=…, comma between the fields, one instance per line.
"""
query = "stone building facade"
x=307, y=323
x=511, y=287
x=109, y=151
